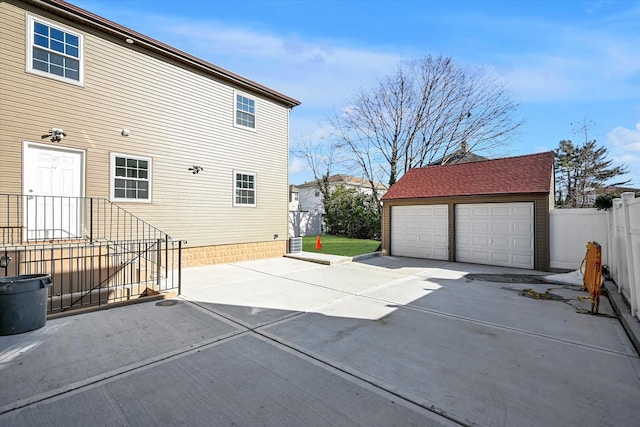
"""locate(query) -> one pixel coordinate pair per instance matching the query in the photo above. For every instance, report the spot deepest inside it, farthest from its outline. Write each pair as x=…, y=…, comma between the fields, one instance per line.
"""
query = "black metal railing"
x=96, y=251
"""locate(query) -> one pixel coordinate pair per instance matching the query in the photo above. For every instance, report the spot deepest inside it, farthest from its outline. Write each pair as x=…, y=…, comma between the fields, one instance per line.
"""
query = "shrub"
x=351, y=213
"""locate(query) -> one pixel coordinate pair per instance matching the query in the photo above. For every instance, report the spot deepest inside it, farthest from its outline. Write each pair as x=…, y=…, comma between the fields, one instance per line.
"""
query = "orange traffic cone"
x=318, y=244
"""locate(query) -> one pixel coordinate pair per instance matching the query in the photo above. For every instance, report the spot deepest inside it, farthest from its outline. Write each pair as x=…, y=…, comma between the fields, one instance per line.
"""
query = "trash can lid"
x=24, y=283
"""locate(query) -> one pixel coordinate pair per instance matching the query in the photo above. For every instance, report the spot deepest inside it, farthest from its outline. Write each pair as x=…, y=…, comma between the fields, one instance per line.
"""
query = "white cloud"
x=297, y=164
x=625, y=139
x=625, y=145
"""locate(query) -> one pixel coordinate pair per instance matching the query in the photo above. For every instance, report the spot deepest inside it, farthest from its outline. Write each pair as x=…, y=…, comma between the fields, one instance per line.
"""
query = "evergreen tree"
x=582, y=169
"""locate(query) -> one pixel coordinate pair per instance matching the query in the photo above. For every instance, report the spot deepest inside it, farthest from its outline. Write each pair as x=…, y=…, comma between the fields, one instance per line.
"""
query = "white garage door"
x=495, y=234
x=420, y=231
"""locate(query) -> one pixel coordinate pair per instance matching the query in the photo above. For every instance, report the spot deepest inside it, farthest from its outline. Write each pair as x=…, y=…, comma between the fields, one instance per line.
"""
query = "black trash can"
x=23, y=303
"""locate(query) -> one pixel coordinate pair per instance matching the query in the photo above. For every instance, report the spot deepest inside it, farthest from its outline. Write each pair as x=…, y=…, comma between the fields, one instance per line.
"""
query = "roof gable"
x=512, y=175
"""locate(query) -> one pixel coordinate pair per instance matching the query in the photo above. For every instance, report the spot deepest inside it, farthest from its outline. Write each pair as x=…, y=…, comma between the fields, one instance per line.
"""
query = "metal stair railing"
x=31, y=223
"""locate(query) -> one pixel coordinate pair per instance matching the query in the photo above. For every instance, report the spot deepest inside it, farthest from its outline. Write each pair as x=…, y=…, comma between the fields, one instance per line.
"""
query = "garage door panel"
x=441, y=240
x=463, y=240
x=420, y=231
x=463, y=210
x=500, y=258
x=501, y=227
x=525, y=245
x=522, y=225
x=480, y=241
x=500, y=211
x=463, y=225
x=481, y=226
x=441, y=211
x=480, y=211
x=501, y=243
x=495, y=233
x=523, y=211
x=522, y=261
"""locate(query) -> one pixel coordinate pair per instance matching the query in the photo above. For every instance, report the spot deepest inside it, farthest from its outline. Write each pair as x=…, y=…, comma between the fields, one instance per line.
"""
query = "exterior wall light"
x=4, y=261
x=55, y=134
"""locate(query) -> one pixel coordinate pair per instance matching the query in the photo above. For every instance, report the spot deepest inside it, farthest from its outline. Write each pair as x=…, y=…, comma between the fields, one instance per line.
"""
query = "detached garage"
x=488, y=212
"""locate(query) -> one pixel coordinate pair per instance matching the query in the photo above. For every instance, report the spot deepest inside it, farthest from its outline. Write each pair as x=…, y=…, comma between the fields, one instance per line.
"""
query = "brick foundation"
x=204, y=255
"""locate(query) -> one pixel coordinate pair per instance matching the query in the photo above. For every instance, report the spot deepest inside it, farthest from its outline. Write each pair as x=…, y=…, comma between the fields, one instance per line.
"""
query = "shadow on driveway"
x=383, y=341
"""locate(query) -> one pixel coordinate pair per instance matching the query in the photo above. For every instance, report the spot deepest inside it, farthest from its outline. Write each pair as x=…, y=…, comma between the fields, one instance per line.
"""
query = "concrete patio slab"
x=320, y=258
x=269, y=298
x=475, y=373
x=93, y=346
x=382, y=341
x=244, y=381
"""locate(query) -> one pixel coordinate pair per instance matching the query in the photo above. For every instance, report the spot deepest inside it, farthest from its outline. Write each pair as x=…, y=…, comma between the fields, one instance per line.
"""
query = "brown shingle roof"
x=512, y=175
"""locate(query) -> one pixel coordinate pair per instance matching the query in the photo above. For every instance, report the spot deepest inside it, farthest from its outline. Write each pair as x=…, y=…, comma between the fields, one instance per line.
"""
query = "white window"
x=54, y=51
x=130, y=178
x=245, y=111
x=245, y=189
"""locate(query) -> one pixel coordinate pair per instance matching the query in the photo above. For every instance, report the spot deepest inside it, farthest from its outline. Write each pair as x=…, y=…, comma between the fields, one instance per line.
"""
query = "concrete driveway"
x=282, y=342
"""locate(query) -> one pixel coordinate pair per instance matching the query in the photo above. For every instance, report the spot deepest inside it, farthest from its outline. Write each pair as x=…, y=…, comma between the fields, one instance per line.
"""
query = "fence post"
x=610, y=243
x=159, y=263
x=626, y=198
x=91, y=220
x=179, y=267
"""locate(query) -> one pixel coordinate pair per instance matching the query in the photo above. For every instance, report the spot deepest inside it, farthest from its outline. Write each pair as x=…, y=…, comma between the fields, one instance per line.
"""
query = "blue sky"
x=564, y=61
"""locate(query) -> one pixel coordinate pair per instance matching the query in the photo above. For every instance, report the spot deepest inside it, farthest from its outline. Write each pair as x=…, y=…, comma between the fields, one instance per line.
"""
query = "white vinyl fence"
x=624, y=240
x=617, y=231
x=304, y=223
x=569, y=232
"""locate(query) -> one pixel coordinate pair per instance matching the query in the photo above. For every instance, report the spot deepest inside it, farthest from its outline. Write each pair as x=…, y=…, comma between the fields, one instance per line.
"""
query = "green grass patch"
x=344, y=246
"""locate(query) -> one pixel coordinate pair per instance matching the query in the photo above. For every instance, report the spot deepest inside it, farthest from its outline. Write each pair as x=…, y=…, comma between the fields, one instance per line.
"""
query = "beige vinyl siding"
x=177, y=117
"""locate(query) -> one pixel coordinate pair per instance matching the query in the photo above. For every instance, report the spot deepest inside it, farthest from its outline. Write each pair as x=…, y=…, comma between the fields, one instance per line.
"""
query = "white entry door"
x=495, y=234
x=420, y=231
x=53, y=185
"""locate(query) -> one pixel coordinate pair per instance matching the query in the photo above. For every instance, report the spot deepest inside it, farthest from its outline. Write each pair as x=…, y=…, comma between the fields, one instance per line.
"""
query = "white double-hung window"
x=54, y=51
x=130, y=178
x=245, y=189
x=245, y=111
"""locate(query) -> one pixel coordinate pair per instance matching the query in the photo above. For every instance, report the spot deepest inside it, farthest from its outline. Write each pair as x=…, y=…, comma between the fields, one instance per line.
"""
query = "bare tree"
x=426, y=110
x=321, y=156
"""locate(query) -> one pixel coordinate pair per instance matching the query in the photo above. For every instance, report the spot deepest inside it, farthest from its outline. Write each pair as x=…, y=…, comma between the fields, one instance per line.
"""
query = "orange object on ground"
x=318, y=244
x=593, y=273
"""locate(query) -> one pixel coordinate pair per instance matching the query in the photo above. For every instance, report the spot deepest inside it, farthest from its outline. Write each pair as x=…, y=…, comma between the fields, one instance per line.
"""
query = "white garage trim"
x=420, y=231
x=495, y=234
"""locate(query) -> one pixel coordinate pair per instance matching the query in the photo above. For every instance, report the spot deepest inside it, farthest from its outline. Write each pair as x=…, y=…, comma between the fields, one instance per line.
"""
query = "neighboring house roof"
x=614, y=190
x=461, y=155
x=344, y=180
x=76, y=14
x=512, y=175
x=458, y=157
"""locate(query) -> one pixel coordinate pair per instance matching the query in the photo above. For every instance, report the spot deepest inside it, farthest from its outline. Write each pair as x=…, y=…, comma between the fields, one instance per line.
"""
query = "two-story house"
x=104, y=129
x=310, y=196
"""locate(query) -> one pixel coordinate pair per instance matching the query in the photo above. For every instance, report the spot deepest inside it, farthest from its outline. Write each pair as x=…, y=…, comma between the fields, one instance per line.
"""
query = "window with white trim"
x=130, y=178
x=245, y=189
x=245, y=111
x=54, y=51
